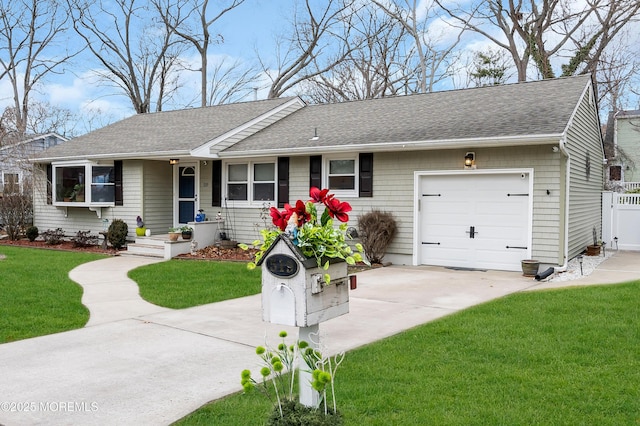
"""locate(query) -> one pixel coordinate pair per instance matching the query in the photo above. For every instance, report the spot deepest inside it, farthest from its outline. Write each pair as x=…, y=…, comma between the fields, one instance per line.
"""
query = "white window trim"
x=88, y=171
x=249, y=202
x=342, y=193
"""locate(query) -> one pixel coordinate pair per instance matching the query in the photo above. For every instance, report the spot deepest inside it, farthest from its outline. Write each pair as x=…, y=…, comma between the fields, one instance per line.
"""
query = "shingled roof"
x=522, y=110
x=520, y=113
x=162, y=133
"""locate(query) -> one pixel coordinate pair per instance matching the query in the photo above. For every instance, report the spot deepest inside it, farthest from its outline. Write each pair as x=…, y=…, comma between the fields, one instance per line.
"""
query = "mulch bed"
x=207, y=253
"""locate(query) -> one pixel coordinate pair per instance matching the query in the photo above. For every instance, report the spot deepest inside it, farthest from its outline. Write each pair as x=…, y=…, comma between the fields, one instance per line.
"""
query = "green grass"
x=181, y=284
x=563, y=357
x=36, y=295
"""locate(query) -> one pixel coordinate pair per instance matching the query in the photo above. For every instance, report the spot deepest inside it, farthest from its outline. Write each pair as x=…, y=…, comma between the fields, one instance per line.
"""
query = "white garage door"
x=475, y=220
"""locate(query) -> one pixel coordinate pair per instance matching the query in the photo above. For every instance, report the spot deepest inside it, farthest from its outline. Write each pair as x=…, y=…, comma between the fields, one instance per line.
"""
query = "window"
x=341, y=176
x=251, y=182
x=11, y=185
x=72, y=185
x=615, y=173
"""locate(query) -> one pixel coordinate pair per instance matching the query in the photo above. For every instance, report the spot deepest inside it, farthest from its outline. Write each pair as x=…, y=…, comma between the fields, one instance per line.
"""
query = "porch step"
x=158, y=246
x=151, y=250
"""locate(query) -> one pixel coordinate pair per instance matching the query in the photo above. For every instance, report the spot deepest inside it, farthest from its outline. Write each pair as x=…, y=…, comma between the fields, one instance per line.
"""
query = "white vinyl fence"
x=621, y=220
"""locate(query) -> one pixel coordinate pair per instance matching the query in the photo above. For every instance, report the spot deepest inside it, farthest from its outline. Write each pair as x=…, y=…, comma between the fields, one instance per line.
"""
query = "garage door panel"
x=495, y=205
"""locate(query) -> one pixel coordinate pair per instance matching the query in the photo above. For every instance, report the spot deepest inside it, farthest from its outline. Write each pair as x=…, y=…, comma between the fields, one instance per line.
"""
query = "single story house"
x=476, y=178
x=15, y=167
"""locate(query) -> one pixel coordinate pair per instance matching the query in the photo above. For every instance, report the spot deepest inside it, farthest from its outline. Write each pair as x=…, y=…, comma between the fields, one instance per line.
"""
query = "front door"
x=186, y=192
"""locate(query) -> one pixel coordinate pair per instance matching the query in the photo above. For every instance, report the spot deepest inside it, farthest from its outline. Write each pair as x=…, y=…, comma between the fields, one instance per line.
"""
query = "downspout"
x=563, y=150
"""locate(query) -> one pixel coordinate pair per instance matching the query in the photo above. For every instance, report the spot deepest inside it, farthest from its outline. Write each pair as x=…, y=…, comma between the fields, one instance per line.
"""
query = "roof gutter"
x=563, y=150
x=397, y=146
x=159, y=155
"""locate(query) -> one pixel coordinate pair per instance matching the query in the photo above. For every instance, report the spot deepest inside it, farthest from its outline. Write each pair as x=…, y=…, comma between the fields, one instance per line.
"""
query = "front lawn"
x=562, y=357
x=182, y=284
x=37, y=297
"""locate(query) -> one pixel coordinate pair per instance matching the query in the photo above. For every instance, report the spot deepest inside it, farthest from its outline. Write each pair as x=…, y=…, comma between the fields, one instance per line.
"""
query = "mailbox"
x=293, y=289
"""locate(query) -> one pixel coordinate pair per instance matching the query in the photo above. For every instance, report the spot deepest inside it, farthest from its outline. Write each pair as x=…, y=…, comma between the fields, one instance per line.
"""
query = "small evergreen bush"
x=32, y=233
x=117, y=233
x=53, y=237
x=377, y=230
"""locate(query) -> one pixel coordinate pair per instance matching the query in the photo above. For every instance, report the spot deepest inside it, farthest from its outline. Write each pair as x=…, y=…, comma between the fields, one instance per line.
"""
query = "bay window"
x=83, y=184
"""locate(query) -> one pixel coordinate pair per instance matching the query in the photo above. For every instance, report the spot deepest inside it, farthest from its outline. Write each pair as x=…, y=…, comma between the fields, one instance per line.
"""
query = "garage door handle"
x=472, y=232
x=427, y=243
x=517, y=195
x=517, y=247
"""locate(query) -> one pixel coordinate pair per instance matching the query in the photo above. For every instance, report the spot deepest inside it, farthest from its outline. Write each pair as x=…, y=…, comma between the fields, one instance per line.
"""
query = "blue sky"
x=252, y=26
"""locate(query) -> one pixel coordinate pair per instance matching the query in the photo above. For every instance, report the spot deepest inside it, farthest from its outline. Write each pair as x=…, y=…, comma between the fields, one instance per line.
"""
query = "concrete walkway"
x=141, y=364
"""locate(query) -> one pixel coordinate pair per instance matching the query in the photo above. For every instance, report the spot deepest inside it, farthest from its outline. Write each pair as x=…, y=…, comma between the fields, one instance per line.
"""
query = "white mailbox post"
x=294, y=293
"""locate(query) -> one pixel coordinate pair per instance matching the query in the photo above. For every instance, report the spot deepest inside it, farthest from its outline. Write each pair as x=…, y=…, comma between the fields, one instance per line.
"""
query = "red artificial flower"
x=280, y=218
x=300, y=209
x=338, y=209
x=319, y=195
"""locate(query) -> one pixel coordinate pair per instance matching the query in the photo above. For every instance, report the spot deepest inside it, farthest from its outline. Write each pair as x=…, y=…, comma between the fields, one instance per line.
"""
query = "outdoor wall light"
x=174, y=161
x=470, y=160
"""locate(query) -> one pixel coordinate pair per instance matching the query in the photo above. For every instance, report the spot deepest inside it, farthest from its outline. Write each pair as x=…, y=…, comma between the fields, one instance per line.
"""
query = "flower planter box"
x=293, y=289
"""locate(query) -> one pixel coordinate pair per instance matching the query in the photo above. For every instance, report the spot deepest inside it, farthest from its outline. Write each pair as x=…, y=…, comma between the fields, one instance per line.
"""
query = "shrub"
x=85, y=239
x=32, y=233
x=294, y=413
x=53, y=236
x=16, y=213
x=377, y=230
x=117, y=233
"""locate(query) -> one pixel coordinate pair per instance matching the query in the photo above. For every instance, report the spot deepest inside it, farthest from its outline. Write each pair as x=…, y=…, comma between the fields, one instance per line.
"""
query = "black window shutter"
x=366, y=174
x=315, y=171
x=216, y=186
x=49, y=184
x=283, y=181
x=117, y=173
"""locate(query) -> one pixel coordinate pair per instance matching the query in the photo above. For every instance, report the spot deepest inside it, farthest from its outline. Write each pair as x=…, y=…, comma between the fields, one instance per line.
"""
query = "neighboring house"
x=476, y=178
x=15, y=167
x=622, y=149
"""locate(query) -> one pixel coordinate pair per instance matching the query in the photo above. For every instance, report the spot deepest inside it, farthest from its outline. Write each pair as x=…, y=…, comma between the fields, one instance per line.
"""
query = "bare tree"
x=137, y=53
x=435, y=57
x=31, y=48
x=315, y=46
x=231, y=82
x=541, y=30
x=192, y=20
x=374, y=66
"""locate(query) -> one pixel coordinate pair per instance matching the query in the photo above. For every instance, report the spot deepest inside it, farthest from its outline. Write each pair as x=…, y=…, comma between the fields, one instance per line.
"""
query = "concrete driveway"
x=152, y=366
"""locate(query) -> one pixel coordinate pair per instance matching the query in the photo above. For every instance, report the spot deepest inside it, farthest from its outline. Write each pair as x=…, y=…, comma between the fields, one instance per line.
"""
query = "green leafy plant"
x=117, y=233
x=316, y=237
x=278, y=380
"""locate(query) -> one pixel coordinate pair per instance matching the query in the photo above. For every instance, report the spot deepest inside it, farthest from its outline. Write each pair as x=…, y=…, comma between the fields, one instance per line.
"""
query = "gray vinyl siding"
x=157, y=200
x=585, y=209
x=47, y=216
x=393, y=191
x=628, y=142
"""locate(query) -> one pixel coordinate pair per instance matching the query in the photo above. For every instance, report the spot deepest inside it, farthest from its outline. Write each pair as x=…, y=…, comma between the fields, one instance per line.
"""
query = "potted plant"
x=530, y=267
x=174, y=233
x=186, y=232
x=315, y=237
x=77, y=194
x=140, y=229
